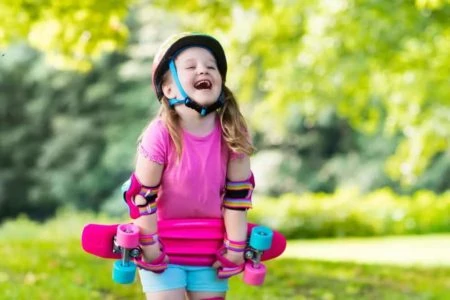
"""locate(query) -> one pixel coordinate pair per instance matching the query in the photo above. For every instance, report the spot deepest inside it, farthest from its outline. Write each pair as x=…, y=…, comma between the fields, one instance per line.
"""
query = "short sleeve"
x=232, y=155
x=235, y=155
x=154, y=142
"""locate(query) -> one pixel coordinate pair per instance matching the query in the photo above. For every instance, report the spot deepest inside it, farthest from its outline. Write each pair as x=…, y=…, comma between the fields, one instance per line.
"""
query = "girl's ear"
x=168, y=88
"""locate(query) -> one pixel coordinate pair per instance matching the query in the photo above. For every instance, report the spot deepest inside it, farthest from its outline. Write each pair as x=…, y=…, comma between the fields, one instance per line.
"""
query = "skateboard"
x=186, y=242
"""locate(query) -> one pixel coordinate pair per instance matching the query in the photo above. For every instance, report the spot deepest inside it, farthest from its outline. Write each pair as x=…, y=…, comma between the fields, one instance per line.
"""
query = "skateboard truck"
x=125, y=253
x=126, y=242
x=260, y=241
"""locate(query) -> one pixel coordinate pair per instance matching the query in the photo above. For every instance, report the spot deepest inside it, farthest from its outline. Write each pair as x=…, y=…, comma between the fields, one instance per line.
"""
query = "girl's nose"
x=202, y=69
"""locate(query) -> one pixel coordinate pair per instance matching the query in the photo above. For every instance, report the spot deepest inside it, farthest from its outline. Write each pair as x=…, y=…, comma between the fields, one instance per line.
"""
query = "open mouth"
x=203, y=85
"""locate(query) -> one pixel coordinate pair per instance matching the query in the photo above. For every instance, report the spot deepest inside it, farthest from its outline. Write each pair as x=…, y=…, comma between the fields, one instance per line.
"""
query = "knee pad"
x=131, y=188
x=238, y=194
x=213, y=298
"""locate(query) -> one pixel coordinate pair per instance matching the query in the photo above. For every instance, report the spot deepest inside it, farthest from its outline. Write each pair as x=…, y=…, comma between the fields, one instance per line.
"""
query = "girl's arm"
x=236, y=220
x=148, y=173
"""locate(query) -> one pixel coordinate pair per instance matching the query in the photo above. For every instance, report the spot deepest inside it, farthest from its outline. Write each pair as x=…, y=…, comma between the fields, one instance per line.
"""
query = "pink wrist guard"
x=156, y=266
x=148, y=239
x=228, y=268
x=234, y=245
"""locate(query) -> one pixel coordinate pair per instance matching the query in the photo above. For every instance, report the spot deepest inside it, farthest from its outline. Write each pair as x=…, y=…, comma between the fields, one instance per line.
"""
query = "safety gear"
x=158, y=265
x=236, y=246
x=238, y=194
x=131, y=188
x=148, y=239
x=165, y=59
x=227, y=268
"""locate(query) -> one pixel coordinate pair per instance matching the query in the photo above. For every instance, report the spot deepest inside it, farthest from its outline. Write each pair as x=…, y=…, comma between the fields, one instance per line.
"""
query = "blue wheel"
x=261, y=238
x=123, y=274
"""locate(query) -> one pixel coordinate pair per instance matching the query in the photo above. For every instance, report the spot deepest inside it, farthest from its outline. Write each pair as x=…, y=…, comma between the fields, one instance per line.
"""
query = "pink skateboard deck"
x=187, y=242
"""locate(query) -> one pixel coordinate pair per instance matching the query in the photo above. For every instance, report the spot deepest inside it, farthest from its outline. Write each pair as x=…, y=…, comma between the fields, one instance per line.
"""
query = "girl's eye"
x=211, y=67
x=190, y=67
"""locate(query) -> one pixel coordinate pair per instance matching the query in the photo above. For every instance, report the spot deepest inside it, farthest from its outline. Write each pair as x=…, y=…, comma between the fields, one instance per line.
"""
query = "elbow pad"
x=131, y=188
x=238, y=194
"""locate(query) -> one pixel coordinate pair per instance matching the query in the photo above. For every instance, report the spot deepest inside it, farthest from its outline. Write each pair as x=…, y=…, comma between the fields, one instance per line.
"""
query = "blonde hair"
x=234, y=127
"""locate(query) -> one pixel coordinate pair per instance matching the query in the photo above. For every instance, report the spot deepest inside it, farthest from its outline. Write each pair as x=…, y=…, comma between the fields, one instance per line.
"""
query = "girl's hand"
x=152, y=252
x=232, y=256
x=236, y=257
x=153, y=259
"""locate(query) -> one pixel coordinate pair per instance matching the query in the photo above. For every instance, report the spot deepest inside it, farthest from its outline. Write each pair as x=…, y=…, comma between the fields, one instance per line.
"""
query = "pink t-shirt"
x=193, y=186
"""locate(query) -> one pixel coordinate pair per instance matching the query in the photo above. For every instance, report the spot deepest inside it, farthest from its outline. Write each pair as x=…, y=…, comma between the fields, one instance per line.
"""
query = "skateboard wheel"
x=123, y=274
x=261, y=238
x=127, y=236
x=254, y=275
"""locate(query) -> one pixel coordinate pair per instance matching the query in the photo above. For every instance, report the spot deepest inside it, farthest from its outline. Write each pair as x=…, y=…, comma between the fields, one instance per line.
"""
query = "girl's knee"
x=206, y=296
x=178, y=294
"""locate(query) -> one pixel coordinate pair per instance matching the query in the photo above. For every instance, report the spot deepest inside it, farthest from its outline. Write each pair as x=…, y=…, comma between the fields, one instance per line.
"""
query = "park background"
x=347, y=101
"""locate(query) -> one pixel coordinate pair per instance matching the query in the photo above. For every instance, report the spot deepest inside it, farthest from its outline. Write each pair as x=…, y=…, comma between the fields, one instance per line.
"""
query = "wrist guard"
x=234, y=245
x=131, y=188
x=158, y=265
x=148, y=239
x=227, y=268
x=238, y=194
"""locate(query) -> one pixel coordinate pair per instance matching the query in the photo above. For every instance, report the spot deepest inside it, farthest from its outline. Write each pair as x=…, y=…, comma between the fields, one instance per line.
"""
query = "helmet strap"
x=201, y=109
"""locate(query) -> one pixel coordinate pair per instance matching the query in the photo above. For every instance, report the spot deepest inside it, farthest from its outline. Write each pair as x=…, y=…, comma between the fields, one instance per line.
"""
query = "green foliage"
x=67, y=138
x=337, y=93
x=45, y=261
x=71, y=33
x=321, y=157
x=350, y=213
x=376, y=63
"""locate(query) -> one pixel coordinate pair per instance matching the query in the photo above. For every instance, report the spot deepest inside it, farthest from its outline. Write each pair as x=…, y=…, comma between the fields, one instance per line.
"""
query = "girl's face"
x=199, y=75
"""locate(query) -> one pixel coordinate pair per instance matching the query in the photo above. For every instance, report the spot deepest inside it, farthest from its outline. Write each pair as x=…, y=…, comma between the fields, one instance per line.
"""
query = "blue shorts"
x=193, y=279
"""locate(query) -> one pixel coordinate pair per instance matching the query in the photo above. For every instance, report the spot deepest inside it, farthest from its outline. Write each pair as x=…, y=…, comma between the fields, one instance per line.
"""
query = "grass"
x=45, y=261
x=412, y=250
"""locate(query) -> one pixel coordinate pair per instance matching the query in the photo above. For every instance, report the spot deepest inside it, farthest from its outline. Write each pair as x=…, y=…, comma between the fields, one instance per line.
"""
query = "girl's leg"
x=177, y=294
x=170, y=284
x=202, y=284
x=206, y=296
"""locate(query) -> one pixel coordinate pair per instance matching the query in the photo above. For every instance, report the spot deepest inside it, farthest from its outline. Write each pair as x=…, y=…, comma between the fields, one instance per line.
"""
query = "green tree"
x=374, y=62
x=71, y=33
x=67, y=138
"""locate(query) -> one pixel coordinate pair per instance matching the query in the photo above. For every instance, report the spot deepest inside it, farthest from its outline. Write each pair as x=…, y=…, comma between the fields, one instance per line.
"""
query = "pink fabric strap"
x=148, y=239
x=228, y=267
x=157, y=265
x=236, y=246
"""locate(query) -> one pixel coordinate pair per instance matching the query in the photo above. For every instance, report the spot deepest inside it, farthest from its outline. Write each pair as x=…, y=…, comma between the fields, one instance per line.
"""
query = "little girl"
x=192, y=162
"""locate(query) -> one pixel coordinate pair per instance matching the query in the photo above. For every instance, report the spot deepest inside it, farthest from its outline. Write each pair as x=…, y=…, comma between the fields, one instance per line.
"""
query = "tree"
x=69, y=138
x=71, y=33
x=376, y=63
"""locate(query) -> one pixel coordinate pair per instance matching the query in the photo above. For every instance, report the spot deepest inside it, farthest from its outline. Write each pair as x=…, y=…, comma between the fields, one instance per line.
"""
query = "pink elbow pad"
x=131, y=188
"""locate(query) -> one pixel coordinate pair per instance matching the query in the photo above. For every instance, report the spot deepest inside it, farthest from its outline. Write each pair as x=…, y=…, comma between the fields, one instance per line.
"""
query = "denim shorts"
x=193, y=279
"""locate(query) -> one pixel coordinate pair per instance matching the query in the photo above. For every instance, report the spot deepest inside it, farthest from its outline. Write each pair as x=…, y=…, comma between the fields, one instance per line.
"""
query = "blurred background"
x=347, y=100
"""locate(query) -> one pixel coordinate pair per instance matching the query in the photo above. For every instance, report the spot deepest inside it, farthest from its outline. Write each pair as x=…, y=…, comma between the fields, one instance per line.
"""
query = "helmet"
x=172, y=46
